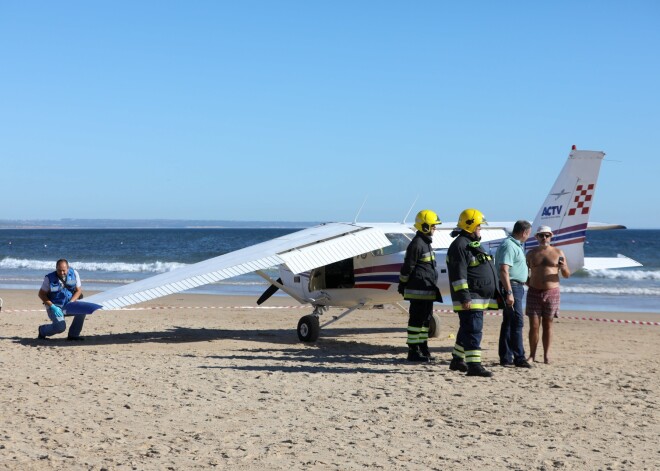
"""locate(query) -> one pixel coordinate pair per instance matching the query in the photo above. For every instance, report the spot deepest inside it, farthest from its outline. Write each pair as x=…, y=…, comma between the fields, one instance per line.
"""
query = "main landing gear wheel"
x=434, y=326
x=308, y=328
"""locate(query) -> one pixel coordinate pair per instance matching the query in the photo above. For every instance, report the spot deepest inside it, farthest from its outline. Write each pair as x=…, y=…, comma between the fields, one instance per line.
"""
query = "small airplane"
x=356, y=265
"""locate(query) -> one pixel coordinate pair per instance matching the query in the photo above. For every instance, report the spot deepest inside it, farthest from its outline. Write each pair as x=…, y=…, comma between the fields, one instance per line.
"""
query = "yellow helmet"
x=425, y=219
x=470, y=219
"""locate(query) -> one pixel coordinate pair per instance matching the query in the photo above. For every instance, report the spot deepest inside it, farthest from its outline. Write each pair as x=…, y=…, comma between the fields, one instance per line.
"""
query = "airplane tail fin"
x=568, y=205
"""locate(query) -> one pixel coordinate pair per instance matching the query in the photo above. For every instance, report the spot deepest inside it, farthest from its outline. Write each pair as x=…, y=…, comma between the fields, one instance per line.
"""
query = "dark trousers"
x=511, y=347
x=471, y=324
x=420, y=312
x=58, y=325
x=419, y=319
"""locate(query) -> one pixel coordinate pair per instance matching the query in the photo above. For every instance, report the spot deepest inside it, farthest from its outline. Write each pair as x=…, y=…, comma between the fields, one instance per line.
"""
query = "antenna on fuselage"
x=411, y=208
x=360, y=210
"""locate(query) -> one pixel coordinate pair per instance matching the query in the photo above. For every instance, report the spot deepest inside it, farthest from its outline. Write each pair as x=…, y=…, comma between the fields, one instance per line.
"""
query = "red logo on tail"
x=582, y=200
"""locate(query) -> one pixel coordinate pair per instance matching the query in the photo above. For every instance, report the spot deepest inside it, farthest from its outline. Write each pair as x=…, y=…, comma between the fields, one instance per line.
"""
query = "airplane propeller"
x=271, y=290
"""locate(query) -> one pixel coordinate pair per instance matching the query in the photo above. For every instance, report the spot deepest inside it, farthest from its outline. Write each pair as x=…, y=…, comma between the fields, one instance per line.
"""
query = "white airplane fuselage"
x=368, y=279
x=357, y=265
x=372, y=278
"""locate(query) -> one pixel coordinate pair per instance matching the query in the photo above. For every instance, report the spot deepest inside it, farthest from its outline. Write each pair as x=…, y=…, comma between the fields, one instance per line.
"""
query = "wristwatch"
x=508, y=291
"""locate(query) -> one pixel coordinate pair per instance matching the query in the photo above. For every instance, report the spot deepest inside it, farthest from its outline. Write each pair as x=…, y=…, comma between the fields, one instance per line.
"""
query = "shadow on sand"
x=345, y=356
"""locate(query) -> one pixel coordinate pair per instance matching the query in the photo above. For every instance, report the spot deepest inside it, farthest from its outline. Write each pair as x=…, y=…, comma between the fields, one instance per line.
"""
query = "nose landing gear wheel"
x=308, y=328
x=434, y=326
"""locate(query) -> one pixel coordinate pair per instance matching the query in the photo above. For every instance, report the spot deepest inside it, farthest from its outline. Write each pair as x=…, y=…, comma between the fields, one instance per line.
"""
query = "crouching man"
x=58, y=289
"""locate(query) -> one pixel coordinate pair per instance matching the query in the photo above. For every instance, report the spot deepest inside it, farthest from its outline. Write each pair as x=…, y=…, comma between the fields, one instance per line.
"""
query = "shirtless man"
x=545, y=264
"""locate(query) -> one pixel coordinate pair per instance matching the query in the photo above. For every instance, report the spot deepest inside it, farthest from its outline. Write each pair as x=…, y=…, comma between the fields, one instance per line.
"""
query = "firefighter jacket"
x=472, y=275
x=418, y=272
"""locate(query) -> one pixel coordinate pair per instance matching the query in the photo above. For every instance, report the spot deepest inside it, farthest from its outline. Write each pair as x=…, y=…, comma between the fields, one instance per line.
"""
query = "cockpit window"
x=399, y=244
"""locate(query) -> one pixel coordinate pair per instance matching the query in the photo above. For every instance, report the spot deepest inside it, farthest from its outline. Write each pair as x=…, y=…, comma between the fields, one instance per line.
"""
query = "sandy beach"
x=197, y=382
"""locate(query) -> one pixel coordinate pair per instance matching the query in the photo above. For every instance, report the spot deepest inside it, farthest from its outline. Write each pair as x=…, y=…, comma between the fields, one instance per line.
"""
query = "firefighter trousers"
x=468, y=338
x=419, y=319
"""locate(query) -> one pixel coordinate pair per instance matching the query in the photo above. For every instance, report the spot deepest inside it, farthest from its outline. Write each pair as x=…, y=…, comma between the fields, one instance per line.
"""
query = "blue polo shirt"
x=511, y=253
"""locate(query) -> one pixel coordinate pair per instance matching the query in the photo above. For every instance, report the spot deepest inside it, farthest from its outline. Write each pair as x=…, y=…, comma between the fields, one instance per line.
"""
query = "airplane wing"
x=442, y=238
x=300, y=251
x=602, y=263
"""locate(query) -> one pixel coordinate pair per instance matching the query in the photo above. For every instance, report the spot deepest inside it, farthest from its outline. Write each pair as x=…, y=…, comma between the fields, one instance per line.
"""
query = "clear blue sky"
x=299, y=110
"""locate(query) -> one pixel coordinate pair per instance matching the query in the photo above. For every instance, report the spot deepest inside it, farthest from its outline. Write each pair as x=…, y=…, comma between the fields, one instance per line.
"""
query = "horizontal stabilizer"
x=602, y=263
x=603, y=226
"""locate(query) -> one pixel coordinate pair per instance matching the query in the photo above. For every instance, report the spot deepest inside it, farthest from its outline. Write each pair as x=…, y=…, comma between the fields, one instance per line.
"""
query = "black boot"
x=475, y=369
x=414, y=354
x=457, y=364
x=424, y=349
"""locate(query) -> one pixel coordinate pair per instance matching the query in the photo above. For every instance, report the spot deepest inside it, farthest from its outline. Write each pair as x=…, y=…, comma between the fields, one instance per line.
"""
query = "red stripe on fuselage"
x=569, y=242
x=383, y=286
x=394, y=267
x=565, y=230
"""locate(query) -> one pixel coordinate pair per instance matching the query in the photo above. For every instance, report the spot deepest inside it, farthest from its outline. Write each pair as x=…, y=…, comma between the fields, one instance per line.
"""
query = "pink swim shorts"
x=542, y=302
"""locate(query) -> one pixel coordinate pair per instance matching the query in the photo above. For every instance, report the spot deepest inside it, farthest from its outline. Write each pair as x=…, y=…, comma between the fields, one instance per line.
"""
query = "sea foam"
x=637, y=275
x=9, y=263
x=609, y=290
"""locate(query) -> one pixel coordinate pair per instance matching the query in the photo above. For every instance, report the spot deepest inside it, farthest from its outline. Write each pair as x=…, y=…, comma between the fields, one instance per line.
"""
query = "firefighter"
x=473, y=285
x=418, y=284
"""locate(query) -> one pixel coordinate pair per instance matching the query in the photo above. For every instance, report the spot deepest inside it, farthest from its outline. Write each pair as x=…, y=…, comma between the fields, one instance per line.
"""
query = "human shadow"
x=178, y=334
x=327, y=356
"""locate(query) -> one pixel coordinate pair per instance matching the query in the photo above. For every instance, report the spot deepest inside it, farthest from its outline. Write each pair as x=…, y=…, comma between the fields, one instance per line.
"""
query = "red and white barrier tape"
x=24, y=310
x=615, y=321
x=596, y=319
x=490, y=313
x=153, y=308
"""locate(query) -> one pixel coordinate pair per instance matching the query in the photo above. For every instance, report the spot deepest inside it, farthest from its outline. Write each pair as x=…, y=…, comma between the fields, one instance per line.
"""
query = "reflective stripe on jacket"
x=472, y=275
x=419, y=271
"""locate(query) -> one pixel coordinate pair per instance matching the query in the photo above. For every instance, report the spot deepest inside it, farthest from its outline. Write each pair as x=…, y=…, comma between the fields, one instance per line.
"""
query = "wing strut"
x=345, y=313
x=401, y=308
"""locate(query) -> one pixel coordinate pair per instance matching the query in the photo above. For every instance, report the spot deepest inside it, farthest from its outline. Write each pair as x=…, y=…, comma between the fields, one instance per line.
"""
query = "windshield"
x=399, y=244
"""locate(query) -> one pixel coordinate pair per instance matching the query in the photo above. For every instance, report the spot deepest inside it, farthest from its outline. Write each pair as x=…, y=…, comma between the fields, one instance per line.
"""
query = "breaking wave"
x=636, y=275
x=614, y=291
x=117, y=267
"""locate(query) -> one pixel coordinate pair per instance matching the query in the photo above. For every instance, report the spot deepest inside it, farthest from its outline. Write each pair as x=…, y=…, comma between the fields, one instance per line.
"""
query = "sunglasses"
x=544, y=236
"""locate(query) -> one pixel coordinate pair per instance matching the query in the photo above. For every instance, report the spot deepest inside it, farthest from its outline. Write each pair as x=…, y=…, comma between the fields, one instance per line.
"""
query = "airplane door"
x=337, y=275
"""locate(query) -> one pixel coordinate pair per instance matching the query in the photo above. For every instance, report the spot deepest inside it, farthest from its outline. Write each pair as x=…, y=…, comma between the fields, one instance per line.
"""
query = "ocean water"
x=629, y=289
x=110, y=257
x=106, y=258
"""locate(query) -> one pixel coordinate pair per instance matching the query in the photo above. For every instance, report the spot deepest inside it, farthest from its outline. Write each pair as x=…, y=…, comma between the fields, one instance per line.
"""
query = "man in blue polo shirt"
x=58, y=289
x=512, y=271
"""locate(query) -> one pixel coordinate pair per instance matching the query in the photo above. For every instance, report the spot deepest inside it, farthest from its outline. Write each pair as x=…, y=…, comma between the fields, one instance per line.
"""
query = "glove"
x=55, y=311
x=401, y=288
